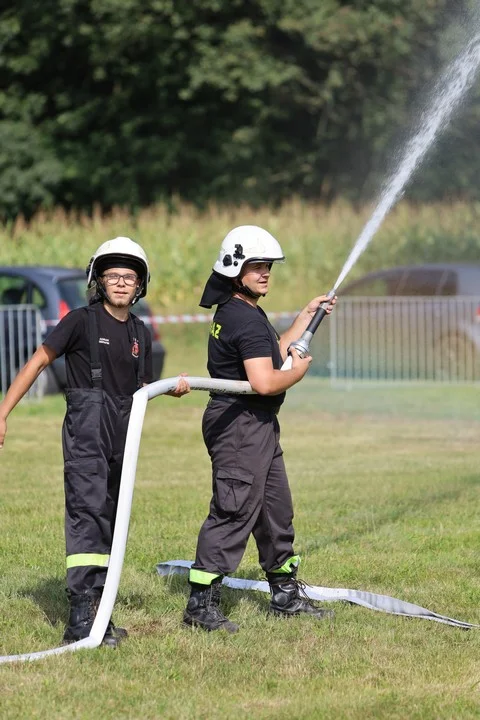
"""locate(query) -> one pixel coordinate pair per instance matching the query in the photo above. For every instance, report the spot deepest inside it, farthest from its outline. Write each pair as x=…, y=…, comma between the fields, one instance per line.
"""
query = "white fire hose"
x=127, y=482
x=369, y=600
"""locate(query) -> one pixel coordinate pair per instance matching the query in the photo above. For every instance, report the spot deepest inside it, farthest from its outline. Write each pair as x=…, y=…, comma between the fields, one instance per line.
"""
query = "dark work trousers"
x=94, y=433
x=250, y=489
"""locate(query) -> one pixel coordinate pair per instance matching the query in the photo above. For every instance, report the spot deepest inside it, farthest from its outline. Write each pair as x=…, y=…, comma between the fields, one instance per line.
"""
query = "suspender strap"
x=140, y=327
x=95, y=367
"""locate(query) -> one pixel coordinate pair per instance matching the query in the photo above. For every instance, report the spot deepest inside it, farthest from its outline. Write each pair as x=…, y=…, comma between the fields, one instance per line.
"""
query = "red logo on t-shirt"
x=135, y=348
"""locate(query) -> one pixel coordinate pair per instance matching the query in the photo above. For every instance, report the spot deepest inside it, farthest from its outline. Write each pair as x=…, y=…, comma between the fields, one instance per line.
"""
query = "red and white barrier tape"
x=203, y=318
x=187, y=319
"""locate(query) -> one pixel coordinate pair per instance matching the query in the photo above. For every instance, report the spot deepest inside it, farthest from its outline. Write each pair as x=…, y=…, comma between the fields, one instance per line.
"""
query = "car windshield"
x=73, y=291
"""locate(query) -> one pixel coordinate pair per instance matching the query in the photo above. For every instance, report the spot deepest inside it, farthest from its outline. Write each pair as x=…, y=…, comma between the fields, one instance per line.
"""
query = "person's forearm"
x=22, y=383
x=295, y=330
x=277, y=382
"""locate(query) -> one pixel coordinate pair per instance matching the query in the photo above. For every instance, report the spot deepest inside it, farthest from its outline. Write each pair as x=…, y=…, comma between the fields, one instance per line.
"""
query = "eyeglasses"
x=114, y=278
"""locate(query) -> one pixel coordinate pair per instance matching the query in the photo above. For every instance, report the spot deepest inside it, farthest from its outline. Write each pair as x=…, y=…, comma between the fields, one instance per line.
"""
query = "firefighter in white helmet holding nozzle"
x=108, y=357
x=250, y=486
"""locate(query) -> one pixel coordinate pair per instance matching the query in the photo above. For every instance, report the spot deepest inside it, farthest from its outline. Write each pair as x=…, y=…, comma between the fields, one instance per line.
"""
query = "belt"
x=247, y=404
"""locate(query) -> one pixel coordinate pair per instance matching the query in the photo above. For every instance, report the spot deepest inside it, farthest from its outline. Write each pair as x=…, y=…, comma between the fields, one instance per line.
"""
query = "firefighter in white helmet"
x=250, y=486
x=108, y=357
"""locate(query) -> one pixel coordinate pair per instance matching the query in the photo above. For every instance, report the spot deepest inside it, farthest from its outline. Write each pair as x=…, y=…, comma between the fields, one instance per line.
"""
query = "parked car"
x=434, y=279
x=414, y=321
x=55, y=291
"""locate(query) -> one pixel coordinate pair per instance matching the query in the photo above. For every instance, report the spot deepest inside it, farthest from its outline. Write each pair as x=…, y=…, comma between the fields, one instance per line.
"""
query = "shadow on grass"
x=51, y=597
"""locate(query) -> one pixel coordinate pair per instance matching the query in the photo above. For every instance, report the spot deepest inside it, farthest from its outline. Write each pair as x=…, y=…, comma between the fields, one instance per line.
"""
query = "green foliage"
x=29, y=170
x=133, y=102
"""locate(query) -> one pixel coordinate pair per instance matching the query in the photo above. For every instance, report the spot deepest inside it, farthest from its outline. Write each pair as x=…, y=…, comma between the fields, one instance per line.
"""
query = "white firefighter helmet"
x=246, y=243
x=120, y=252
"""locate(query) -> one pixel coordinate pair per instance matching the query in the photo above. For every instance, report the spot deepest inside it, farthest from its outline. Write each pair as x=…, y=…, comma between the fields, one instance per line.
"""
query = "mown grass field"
x=385, y=483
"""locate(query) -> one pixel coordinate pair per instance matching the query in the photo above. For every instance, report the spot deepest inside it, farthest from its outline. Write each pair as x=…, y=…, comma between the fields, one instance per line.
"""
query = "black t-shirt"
x=240, y=332
x=118, y=346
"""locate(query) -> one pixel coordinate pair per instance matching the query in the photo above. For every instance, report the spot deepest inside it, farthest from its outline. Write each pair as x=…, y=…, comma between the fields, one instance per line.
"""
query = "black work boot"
x=119, y=632
x=83, y=610
x=203, y=609
x=289, y=598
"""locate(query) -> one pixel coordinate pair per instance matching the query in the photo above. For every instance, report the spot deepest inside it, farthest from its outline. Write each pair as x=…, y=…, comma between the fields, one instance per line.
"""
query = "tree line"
x=133, y=102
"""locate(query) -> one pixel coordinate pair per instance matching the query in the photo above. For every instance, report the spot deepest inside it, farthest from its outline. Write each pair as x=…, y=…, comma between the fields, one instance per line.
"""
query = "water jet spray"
x=445, y=98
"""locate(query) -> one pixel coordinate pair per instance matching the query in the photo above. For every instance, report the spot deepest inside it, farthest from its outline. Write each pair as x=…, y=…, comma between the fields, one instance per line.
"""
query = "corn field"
x=182, y=245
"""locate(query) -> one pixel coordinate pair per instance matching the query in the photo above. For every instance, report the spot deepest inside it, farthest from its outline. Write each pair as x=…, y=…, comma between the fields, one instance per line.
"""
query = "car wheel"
x=458, y=359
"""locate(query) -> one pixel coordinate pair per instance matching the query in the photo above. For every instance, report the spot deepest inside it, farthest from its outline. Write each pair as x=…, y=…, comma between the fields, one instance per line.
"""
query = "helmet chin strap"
x=100, y=289
x=243, y=290
x=137, y=294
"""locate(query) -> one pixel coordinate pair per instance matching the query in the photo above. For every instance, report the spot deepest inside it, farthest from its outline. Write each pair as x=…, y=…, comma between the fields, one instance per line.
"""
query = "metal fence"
x=369, y=338
x=406, y=338
x=20, y=335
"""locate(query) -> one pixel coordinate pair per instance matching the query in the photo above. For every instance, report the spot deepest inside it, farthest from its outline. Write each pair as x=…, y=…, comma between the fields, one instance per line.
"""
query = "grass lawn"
x=385, y=484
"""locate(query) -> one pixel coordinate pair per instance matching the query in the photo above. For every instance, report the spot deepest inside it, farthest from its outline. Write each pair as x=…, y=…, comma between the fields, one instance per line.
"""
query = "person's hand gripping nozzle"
x=303, y=343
